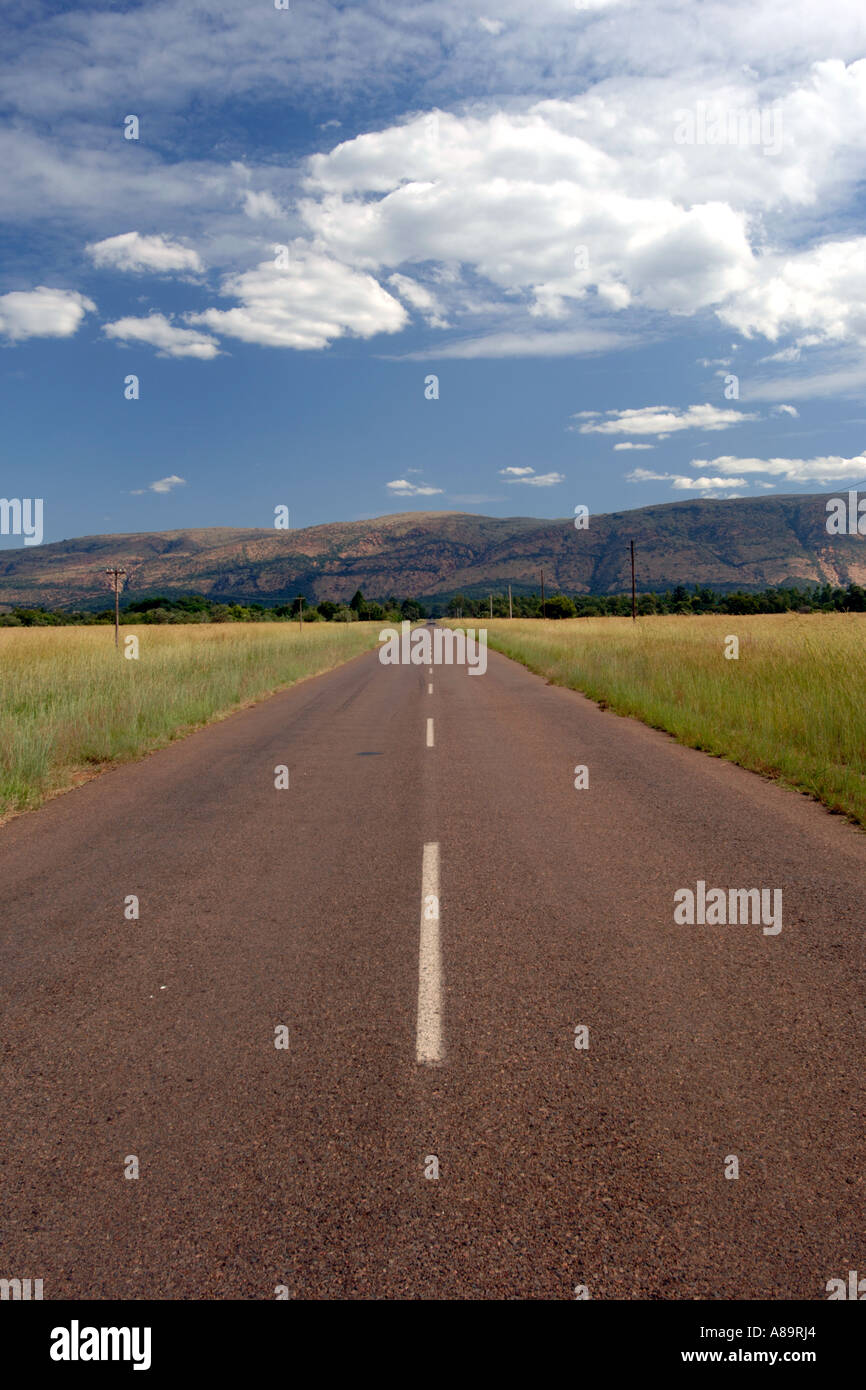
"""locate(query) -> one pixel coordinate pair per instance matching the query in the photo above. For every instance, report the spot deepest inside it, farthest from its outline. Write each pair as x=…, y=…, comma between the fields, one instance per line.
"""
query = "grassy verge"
x=791, y=707
x=70, y=704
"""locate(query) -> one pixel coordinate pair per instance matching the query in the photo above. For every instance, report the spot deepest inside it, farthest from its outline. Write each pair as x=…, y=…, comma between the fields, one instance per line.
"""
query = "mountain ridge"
x=748, y=543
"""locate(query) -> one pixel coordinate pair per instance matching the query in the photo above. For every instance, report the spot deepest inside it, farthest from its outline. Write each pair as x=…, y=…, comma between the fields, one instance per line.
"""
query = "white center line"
x=430, y=672
x=429, y=690
x=428, y=1034
x=429, y=733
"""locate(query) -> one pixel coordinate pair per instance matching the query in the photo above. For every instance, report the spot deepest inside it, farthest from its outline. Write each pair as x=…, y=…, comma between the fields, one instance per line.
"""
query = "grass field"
x=70, y=704
x=791, y=707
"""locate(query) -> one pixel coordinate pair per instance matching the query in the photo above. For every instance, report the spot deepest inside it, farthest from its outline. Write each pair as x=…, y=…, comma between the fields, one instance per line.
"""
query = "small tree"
x=558, y=606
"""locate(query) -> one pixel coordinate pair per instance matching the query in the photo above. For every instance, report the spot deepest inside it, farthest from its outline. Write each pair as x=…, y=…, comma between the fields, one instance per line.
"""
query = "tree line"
x=196, y=608
x=824, y=598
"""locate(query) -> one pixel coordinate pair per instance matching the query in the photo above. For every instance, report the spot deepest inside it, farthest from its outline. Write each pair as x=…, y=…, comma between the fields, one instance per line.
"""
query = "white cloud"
x=527, y=345
x=684, y=484
x=681, y=482
x=629, y=445
x=516, y=472
x=510, y=195
x=132, y=251
x=786, y=410
x=261, y=205
x=387, y=47
x=161, y=333
x=540, y=480
x=42, y=313
x=818, y=294
x=402, y=488
x=514, y=196
x=839, y=380
x=816, y=470
x=307, y=304
x=420, y=298
x=495, y=200
x=161, y=485
x=790, y=354
x=663, y=420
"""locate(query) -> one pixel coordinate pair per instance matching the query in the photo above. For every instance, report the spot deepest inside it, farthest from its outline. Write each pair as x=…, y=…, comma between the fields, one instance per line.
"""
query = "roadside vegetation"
x=72, y=704
x=791, y=706
x=683, y=601
x=195, y=608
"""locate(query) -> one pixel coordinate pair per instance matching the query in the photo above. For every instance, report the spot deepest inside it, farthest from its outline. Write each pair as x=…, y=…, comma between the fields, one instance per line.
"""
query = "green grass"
x=70, y=704
x=791, y=707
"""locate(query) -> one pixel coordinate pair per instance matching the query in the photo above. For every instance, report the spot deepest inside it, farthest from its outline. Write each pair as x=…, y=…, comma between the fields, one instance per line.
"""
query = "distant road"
x=430, y=909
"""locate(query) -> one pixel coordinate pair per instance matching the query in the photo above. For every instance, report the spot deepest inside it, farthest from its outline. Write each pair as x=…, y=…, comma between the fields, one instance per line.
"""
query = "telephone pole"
x=491, y=605
x=633, y=599
x=116, y=575
x=543, y=604
x=301, y=614
x=510, y=609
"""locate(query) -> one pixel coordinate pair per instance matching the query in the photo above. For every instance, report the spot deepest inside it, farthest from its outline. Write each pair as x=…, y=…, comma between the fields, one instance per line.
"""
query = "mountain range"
x=747, y=543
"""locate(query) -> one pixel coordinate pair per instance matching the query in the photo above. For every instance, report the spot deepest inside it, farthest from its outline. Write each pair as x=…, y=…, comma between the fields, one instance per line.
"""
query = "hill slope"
x=743, y=542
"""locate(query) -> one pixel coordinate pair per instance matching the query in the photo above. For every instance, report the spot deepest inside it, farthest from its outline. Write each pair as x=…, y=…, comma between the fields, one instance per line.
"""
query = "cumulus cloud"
x=662, y=420
x=170, y=339
x=681, y=482
x=565, y=213
x=402, y=488
x=815, y=470
x=132, y=251
x=819, y=295
x=786, y=410
x=538, y=479
x=558, y=206
x=510, y=195
x=42, y=313
x=306, y=304
x=161, y=485
x=516, y=472
x=627, y=444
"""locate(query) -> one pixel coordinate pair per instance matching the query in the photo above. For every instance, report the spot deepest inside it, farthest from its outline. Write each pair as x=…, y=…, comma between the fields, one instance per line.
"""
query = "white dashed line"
x=428, y=1034
x=429, y=733
x=429, y=690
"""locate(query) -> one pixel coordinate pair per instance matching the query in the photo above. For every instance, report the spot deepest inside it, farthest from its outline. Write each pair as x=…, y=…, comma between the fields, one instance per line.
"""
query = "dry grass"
x=791, y=707
x=71, y=704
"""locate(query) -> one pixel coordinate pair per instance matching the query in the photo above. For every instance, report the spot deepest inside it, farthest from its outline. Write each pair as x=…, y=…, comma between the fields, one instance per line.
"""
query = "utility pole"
x=115, y=579
x=633, y=599
x=543, y=604
x=301, y=614
x=510, y=609
x=491, y=605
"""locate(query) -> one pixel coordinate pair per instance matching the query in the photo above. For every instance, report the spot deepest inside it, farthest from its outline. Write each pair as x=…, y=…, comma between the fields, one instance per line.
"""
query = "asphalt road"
x=313, y=907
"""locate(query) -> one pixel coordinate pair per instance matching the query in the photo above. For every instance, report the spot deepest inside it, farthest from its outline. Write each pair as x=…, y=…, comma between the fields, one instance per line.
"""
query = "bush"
x=558, y=606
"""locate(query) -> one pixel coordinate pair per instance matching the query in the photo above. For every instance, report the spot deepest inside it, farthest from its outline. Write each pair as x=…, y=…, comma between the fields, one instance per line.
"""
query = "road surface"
x=426, y=914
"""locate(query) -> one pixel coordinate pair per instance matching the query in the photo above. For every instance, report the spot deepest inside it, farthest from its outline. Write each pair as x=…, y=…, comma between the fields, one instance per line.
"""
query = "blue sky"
x=585, y=218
